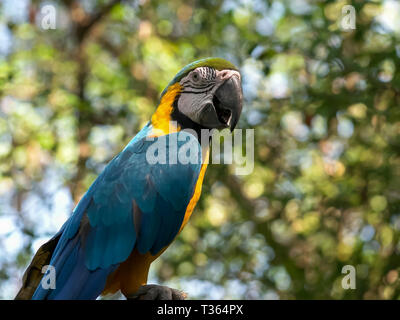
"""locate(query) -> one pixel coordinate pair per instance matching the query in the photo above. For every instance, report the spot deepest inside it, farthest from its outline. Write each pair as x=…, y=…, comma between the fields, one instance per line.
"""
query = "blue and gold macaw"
x=134, y=209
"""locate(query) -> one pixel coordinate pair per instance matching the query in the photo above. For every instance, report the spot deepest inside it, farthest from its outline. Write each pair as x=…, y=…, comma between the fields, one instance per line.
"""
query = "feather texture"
x=101, y=232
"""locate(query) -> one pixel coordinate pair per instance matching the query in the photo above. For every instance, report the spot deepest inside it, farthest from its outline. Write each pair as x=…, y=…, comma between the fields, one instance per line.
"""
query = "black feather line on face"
x=184, y=121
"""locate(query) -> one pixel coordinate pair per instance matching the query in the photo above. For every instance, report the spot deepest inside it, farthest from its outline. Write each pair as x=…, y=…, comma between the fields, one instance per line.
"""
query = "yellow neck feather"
x=161, y=119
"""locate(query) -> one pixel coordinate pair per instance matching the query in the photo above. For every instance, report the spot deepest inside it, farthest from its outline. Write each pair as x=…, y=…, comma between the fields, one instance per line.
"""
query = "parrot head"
x=208, y=95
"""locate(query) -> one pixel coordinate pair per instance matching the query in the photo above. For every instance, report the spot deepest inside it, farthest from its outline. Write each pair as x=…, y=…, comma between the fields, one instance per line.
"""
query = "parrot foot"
x=157, y=292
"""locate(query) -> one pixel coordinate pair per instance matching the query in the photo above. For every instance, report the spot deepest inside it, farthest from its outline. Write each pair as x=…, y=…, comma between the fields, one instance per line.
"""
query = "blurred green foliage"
x=324, y=103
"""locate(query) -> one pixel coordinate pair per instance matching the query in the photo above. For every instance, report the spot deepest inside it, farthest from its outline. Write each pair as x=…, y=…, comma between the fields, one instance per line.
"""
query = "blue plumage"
x=101, y=233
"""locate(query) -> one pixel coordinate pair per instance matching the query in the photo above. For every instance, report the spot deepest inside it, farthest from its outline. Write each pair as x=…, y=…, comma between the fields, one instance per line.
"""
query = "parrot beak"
x=228, y=102
x=226, y=106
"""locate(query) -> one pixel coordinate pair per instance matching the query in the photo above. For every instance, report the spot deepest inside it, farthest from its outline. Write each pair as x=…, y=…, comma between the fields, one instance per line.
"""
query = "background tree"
x=324, y=103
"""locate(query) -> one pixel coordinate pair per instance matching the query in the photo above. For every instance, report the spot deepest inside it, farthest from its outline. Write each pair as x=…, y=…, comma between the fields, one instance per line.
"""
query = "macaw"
x=135, y=209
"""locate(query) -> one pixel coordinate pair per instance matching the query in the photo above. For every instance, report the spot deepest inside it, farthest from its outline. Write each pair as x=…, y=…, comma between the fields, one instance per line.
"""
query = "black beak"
x=226, y=106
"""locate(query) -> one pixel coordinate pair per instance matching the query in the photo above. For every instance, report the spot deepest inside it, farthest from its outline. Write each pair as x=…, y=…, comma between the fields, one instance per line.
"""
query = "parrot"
x=135, y=208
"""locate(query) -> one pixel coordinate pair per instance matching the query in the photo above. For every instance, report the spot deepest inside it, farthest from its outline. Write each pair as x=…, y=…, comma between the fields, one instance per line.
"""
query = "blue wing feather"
x=86, y=255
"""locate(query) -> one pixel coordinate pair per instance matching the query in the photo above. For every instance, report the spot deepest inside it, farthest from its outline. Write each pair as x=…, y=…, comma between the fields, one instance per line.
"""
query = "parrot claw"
x=157, y=292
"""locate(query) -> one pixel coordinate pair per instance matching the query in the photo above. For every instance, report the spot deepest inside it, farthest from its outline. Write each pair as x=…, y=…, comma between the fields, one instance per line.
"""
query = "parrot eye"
x=195, y=76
